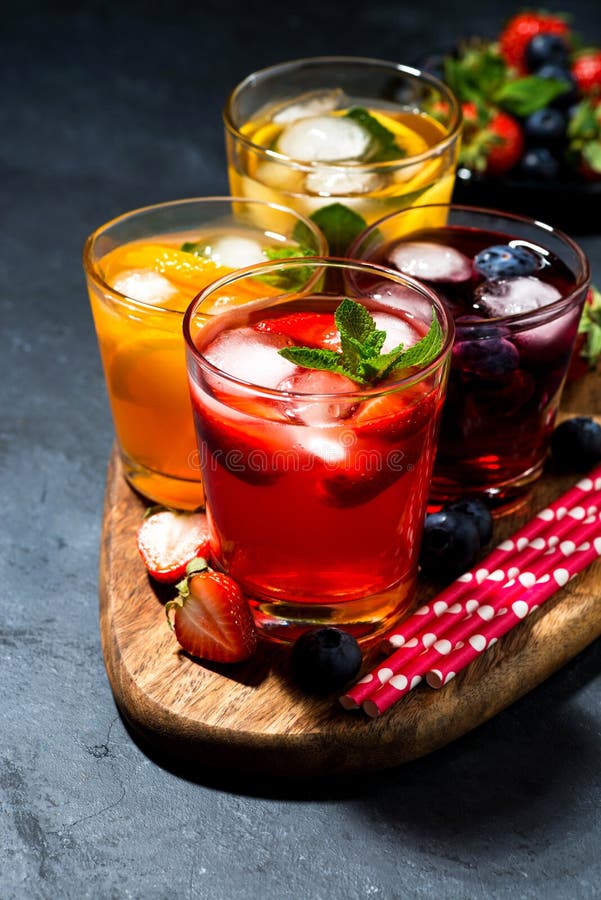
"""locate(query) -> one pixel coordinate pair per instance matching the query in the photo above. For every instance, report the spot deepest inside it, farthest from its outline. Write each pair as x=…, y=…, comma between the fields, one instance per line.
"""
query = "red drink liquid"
x=316, y=487
x=509, y=360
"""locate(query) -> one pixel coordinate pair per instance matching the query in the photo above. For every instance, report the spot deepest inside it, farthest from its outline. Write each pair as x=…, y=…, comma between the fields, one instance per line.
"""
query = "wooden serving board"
x=251, y=718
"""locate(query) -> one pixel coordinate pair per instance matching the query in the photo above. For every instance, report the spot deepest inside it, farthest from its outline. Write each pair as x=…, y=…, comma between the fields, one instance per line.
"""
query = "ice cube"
x=512, y=296
x=250, y=356
x=146, y=286
x=318, y=413
x=315, y=103
x=342, y=182
x=397, y=296
x=549, y=342
x=324, y=139
x=236, y=252
x=398, y=331
x=430, y=261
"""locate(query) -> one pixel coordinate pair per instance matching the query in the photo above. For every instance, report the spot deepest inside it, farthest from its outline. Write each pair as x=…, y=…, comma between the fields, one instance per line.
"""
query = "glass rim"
x=325, y=262
x=307, y=166
x=90, y=265
x=582, y=278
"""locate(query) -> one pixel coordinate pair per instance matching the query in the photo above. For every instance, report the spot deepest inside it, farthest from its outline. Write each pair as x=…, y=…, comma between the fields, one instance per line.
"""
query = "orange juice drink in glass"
x=143, y=269
x=345, y=140
x=317, y=455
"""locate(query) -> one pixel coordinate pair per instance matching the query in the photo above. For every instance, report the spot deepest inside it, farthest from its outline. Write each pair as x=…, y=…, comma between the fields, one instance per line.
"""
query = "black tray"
x=573, y=206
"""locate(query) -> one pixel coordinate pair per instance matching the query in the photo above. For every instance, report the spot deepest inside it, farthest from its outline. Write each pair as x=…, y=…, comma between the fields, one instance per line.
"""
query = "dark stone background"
x=106, y=107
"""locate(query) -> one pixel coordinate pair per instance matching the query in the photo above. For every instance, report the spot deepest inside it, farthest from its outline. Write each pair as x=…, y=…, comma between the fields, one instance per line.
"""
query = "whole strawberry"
x=211, y=618
x=493, y=141
x=586, y=72
x=520, y=30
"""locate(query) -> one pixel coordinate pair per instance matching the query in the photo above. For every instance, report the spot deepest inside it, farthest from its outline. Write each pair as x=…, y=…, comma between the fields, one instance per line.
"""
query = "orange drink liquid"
x=143, y=269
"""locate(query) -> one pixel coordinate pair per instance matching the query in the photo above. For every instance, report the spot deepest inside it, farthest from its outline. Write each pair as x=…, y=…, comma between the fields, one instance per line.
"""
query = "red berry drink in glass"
x=316, y=486
x=516, y=294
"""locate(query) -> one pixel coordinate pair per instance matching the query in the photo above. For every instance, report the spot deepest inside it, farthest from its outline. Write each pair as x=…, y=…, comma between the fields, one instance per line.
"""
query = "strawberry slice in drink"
x=306, y=329
x=391, y=417
x=391, y=433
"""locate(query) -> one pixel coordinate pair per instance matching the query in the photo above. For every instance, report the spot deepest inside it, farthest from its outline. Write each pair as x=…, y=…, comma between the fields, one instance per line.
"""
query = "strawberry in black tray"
x=531, y=102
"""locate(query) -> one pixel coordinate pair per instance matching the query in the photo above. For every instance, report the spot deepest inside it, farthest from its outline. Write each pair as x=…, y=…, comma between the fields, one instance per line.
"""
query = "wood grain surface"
x=251, y=717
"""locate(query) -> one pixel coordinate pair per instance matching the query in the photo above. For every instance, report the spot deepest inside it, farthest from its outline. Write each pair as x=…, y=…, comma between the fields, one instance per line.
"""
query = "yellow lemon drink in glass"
x=143, y=269
x=343, y=140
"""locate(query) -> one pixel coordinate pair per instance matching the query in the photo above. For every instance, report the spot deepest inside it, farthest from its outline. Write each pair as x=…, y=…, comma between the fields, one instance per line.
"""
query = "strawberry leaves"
x=526, y=95
x=480, y=75
x=584, y=134
x=361, y=343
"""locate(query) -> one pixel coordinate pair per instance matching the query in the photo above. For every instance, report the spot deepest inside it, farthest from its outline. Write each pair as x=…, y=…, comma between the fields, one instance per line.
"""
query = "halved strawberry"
x=308, y=329
x=211, y=618
x=169, y=539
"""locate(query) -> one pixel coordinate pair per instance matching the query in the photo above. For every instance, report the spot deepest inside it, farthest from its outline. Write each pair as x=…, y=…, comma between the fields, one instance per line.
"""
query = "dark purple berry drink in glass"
x=515, y=288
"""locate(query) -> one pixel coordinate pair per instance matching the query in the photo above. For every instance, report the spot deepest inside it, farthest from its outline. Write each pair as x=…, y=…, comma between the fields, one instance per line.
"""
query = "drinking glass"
x=316, y=486
x=343, y=139
x=514, y=339
x=142, y=270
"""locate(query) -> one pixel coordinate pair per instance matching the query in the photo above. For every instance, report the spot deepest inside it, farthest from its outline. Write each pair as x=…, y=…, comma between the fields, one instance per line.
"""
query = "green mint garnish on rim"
x=361, y=341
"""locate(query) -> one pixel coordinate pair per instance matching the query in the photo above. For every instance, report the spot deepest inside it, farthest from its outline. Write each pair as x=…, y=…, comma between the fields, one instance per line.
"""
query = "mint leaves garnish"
x=340, y=225
x=361, y=342
x=384, y=146
x=292, y=278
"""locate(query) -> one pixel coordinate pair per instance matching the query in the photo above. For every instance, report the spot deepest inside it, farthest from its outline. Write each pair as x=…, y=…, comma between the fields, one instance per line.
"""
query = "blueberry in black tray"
x=531, y=101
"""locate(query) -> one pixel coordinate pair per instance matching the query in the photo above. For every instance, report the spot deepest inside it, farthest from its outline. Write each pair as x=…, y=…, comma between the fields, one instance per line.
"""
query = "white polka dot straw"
x=443, y=628
x=520, y=603
x=580, y=501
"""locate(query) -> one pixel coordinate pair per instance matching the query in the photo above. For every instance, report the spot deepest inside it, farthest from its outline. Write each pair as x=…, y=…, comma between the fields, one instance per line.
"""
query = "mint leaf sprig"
x=361, y=358
x=384, y=147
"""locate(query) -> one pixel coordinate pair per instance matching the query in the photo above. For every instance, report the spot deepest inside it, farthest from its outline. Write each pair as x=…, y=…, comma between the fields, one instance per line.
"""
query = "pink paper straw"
x=519, y=605
x=513, y=602
x=533, y=529
x=430, y=624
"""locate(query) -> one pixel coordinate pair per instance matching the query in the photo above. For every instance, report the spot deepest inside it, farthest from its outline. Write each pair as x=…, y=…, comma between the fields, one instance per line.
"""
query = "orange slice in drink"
x=181, y=268
x=150, y=371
